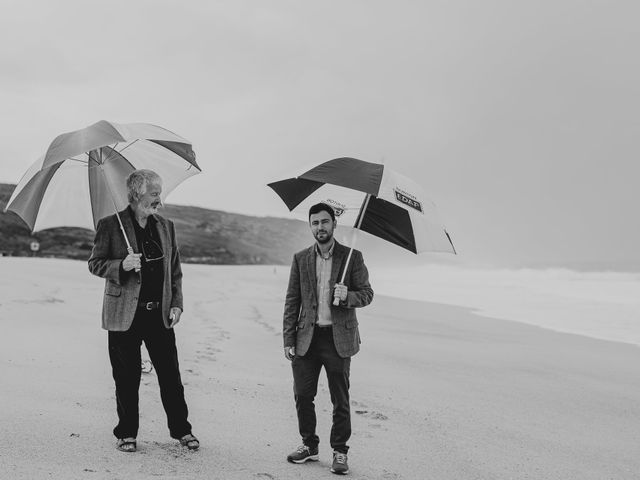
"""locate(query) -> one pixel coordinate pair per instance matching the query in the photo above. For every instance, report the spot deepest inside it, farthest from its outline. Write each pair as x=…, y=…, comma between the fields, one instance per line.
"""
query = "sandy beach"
x=437, y=392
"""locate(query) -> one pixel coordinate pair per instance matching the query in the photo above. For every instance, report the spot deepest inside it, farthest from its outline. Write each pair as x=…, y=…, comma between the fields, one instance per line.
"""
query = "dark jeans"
x=306, y=371
x=124, y=353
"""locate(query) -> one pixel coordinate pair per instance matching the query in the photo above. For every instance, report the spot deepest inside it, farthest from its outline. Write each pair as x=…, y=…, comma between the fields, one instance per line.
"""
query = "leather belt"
x=324, y=326
x=149, y=305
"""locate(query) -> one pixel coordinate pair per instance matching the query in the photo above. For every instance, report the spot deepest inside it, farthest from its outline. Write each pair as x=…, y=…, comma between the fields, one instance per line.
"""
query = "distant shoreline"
x=634, y=268
x=595, y=305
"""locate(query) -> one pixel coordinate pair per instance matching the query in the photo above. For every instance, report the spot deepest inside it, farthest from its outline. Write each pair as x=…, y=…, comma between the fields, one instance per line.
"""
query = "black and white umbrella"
x=372, y=198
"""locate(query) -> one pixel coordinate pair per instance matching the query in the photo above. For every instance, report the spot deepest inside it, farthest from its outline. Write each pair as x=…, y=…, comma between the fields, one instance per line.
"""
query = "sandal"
x=190, y=442
x=127, y=445
x=147, y=366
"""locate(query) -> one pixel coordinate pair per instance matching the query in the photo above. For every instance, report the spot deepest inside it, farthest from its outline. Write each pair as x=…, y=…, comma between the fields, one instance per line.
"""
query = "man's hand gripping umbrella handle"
x=130, y=251
x=339, y=287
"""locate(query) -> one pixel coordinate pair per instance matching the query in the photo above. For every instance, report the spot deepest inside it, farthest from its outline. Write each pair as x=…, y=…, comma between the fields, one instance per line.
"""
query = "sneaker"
x=339, y=465
x=303, y=453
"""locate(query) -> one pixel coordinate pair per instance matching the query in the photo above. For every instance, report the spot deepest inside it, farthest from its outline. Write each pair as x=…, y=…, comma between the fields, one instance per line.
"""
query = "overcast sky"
x=520, y=118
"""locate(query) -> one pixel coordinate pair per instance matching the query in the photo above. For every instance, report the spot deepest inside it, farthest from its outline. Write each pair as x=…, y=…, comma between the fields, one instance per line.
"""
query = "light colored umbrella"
x=81, y=177
x=371, y=198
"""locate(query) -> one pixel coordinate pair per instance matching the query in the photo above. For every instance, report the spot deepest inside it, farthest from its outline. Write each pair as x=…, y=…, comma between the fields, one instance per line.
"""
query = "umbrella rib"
x=86, y=162
x=449, y=238
x=113, y=149
x=127, y=146
x=90, y=158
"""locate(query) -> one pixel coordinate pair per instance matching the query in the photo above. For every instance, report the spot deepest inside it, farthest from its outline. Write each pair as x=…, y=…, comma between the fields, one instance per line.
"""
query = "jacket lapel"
x=311, y=269
x=127, y=223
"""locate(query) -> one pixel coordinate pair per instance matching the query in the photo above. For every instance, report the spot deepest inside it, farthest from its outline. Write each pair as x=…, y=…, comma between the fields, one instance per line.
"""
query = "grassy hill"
x=204, y=236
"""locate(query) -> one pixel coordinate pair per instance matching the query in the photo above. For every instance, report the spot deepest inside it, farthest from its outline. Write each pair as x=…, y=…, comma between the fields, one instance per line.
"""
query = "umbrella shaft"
x=353, y=239
x=362, y=210
x=115, y=207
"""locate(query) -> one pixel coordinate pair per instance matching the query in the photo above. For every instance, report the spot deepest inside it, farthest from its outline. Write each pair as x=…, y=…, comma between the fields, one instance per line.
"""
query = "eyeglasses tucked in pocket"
x=151, y=251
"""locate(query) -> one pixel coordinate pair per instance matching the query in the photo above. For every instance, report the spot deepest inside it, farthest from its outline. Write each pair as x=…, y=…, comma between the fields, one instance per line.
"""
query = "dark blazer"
x=122, y=288
x=301, y=303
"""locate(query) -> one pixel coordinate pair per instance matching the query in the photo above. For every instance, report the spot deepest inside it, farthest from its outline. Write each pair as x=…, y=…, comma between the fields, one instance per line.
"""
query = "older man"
x=319, y=332
x=142, y=302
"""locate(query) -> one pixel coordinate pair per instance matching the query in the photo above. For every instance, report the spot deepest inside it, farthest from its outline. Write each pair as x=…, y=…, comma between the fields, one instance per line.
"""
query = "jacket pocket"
x=113, y=289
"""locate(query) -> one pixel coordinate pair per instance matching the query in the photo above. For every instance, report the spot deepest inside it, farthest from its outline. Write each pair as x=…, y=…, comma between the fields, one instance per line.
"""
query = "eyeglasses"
x=151, y=251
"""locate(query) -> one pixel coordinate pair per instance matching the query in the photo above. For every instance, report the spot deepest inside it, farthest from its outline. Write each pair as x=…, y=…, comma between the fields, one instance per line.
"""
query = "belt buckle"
x=149, y=306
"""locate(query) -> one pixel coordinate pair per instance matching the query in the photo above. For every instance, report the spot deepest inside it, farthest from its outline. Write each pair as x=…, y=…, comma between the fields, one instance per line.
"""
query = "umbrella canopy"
x=81, y=177
x=371, y=198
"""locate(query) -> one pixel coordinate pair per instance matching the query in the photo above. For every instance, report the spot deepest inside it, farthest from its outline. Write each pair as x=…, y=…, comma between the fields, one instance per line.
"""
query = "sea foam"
x=603, y=305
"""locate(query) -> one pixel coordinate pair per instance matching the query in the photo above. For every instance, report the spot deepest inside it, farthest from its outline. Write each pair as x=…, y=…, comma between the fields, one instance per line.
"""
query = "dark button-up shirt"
x=152, y=271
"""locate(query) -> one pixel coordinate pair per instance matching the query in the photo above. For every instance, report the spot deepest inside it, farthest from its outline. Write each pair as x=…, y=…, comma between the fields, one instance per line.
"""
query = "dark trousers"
x=124, y=353
x=306, y=371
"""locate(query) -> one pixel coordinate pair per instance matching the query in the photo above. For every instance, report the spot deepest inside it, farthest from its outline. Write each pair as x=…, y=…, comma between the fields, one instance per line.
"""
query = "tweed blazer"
x=301, y=302
x=121, y=289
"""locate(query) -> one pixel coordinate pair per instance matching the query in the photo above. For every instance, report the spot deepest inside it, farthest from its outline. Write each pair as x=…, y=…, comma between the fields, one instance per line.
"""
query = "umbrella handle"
x=336, y=300
x=130, y=251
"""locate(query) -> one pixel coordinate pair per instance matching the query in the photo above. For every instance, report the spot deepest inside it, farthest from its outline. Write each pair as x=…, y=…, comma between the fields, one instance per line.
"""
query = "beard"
x=323, y=237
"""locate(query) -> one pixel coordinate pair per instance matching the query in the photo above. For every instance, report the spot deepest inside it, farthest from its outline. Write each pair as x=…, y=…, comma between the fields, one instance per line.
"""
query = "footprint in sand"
x=174, y=450
x=218, y=333
x=387, y=475
x=201, y=355
x=207, y=351
x=365, y=412
x=259, y=319
x=370, y=414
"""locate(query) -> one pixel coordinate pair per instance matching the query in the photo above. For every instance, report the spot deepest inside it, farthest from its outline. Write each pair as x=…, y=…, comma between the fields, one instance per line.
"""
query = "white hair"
x=137, y=183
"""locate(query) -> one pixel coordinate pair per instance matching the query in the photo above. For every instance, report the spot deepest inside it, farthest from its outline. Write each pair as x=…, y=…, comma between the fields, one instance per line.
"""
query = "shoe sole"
x=339, y=473
x=134, y=450
x=310, y=458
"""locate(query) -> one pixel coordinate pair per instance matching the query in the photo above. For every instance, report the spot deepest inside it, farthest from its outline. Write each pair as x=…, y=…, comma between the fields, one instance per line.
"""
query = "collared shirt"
x=152, y=271
x=324, y=290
